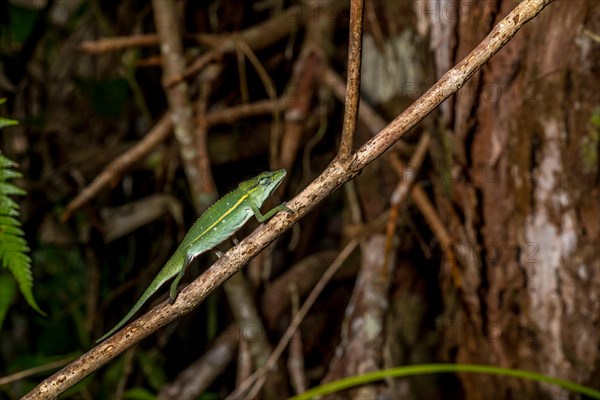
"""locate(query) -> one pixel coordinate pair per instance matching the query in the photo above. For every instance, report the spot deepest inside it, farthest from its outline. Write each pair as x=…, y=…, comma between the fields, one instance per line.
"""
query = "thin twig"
x=5, y=380
x=143, y=40
x=244, y=361
x=207, y=184
x=361, y=341
x=372, y=120
x=241, y=63
x=295, y=362
x=199, y=375
x=119, y=43
x=353, y=80
x=257, y=379
x=118, y=392
x=304, y=274
x=232, y=114
x=366, y=114
x=112, y=173
x=594, y=36
x=402, y=190
x=257, y=37
x=196, y=377
x=303, y=83
x=245, y=313
x=335, y=175
x=271, y=92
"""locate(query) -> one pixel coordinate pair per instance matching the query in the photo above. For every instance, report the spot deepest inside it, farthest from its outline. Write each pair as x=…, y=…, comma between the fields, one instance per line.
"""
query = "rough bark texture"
x=525, y=200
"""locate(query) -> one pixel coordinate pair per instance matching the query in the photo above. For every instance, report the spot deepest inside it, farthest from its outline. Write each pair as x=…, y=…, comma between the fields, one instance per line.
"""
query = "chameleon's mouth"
x=279, y=175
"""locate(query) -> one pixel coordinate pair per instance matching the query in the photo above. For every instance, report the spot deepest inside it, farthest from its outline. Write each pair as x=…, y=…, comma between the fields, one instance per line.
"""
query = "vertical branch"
x=353, y=88
x=167, y=25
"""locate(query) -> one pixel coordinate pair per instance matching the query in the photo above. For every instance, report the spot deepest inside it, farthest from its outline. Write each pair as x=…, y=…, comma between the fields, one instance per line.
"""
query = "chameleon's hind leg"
x=219, y=253
x=173, y=291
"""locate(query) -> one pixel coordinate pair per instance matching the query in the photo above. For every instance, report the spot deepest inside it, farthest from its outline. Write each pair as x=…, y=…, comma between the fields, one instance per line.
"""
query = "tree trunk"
x=521, y=198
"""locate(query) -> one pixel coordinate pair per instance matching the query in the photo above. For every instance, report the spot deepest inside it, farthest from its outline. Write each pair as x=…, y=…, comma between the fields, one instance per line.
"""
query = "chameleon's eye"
x=263, y=181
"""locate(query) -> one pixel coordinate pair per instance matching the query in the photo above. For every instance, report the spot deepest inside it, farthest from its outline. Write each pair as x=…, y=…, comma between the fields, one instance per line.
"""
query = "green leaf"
x=8, y=189
x=9, y=221
x=423, y=369
x=8, y=206
x=10, y=226
x=5, y=162
x=13, y=247
x=4, y=122
x=138, y=394
x=7, y=174
x=8, y=291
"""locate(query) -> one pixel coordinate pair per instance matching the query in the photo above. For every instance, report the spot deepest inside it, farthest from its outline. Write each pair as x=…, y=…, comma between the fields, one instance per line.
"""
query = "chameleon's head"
x=265, y=183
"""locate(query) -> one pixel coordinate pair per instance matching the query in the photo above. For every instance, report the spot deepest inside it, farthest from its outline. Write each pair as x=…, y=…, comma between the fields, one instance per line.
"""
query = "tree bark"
x=523, y=199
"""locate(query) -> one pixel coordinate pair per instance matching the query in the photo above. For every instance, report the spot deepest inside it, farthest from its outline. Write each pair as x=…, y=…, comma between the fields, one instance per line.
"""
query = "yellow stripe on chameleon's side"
x=244, y=197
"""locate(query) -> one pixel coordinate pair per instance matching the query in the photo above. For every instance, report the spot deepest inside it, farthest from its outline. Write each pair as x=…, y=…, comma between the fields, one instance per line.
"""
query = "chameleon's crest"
x=266, y=179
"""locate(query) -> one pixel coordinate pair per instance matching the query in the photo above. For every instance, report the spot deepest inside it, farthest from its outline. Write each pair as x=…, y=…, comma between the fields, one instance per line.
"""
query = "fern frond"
x=13, y=247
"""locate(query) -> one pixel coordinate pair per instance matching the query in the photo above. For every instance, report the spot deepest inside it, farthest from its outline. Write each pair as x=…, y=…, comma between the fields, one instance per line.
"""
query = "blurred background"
x=477, y=233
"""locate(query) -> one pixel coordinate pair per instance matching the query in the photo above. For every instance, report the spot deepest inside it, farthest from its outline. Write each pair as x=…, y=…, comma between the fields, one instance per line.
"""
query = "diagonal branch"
x=257, y=37
x=336, y=174
x=160, y=132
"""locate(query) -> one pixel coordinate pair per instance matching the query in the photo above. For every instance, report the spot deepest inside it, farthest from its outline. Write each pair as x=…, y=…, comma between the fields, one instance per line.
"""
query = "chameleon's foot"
x=172, y=296
x=288, y=210
x=218, y=253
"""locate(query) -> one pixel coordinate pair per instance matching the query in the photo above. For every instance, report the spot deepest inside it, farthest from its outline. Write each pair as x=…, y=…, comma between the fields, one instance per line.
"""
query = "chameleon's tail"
x=171, y=268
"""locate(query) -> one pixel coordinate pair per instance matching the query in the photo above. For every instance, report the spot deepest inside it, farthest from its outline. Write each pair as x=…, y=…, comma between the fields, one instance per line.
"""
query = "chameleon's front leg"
x=262, y=218
x=173, y=291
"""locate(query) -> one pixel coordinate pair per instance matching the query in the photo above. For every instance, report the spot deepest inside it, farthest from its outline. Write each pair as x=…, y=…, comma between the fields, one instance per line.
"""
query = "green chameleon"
x=215, y=225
